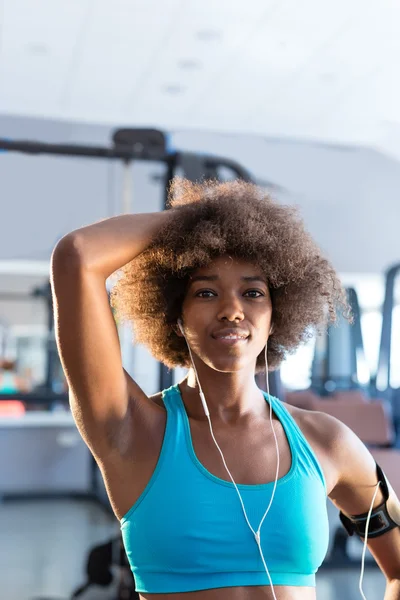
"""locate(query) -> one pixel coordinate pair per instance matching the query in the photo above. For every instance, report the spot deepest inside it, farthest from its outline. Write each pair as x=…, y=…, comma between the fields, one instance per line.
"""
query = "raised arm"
x=104, y=399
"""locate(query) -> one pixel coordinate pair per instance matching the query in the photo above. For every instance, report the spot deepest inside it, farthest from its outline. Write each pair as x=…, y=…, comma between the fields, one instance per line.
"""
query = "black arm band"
x=381, y=521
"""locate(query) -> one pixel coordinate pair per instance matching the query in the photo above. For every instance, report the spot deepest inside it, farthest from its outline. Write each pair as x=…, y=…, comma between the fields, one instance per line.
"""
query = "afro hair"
x=239, y=219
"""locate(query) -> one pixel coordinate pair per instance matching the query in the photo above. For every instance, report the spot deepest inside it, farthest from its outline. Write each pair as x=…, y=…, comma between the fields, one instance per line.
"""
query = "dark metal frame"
x=323, y=378
x=385, y=350
x=194, y=167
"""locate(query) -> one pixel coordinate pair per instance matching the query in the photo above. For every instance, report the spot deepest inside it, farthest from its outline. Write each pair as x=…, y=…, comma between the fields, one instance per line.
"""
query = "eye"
x=198, y=295
x=255, y=292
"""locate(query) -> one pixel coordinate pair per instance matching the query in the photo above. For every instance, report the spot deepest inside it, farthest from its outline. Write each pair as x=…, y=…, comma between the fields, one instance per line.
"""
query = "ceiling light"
x=37, y=48
x=207, y=35
x=189, y=64
x=173, y=88
x=328, y=76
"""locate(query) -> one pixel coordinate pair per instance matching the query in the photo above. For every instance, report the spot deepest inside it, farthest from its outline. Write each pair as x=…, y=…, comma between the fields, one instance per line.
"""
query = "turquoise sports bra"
x=187, y=531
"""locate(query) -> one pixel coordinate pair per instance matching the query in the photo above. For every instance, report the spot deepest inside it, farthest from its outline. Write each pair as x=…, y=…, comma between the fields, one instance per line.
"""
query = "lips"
x=231, y=333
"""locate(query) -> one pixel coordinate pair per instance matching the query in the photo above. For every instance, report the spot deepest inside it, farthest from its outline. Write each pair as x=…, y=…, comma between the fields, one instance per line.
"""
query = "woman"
x=220, y=488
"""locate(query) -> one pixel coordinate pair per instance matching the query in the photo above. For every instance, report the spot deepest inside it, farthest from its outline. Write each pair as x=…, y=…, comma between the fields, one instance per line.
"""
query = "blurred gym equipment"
x=342, y=386
x=45, y=452
x=385, y=383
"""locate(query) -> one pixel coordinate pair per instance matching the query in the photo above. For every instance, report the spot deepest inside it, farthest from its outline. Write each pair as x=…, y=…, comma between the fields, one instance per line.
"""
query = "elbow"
x=66, y=253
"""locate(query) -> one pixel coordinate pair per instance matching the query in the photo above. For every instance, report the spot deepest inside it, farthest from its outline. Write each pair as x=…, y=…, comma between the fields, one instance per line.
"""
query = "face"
x=229, y=297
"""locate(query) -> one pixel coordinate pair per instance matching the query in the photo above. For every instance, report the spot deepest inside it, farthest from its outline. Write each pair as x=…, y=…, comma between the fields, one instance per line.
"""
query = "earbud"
x=180, y=325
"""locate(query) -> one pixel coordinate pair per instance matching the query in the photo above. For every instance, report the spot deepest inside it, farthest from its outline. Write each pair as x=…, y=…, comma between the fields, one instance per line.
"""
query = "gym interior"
x=101, y=105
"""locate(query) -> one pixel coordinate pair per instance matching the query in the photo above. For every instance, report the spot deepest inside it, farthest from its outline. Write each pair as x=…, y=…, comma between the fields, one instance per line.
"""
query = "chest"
x=250, y=452
x=250, y=455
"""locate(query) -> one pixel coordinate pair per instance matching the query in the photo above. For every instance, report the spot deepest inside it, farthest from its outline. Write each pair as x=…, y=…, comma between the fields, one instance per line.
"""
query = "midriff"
x=282, y=592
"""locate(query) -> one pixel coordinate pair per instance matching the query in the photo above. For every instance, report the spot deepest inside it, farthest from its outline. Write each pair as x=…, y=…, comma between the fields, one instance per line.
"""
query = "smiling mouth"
x=231, y=340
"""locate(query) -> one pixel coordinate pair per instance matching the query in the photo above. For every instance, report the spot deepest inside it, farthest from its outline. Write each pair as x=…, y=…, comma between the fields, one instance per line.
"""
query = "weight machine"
x=128, y=146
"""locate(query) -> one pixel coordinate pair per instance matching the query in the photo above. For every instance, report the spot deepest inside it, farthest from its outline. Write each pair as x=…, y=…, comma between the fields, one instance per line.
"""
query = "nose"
x=230, y=309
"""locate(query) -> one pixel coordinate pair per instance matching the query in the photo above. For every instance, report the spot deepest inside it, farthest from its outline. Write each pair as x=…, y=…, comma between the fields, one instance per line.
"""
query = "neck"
x=229, y=396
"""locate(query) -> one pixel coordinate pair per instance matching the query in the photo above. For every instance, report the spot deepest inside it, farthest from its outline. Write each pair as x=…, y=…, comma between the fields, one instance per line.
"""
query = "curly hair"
x=239, y=219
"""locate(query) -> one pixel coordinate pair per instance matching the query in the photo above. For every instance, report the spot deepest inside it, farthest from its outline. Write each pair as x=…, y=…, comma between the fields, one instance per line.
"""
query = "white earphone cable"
x=257, y=534
x=365, y=541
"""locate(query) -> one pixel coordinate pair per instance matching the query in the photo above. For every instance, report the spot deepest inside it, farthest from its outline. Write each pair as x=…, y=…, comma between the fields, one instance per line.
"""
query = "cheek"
x=263, y=318
x=197, y=315
x=195, y=325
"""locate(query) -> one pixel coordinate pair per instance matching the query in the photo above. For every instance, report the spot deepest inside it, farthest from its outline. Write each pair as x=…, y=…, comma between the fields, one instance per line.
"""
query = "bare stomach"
x=282, y=592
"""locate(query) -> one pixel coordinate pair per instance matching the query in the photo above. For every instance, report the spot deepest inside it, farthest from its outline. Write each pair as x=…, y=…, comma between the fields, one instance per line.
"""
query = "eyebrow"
x=249, y=278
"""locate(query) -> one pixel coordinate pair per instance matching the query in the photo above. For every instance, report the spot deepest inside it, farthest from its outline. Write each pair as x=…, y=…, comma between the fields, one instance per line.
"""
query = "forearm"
x=392, y=591
x=108, y=245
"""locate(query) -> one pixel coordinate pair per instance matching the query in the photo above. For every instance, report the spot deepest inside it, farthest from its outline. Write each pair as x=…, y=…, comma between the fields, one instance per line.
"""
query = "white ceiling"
x=311, y=69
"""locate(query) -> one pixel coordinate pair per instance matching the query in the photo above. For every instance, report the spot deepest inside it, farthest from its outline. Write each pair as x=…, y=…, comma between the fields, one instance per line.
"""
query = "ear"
x=177, y=328
x=271, y=329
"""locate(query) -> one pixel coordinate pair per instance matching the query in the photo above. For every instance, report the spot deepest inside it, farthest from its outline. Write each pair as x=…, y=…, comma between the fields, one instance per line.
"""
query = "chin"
x=229, y=364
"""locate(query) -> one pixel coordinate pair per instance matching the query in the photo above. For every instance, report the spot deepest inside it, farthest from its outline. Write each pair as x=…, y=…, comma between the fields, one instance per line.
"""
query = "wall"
x=348, y=196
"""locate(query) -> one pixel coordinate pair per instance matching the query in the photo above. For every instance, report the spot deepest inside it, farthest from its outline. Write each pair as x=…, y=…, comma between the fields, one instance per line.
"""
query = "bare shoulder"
x=325, y=434
x=346, y=456
x=321, y=427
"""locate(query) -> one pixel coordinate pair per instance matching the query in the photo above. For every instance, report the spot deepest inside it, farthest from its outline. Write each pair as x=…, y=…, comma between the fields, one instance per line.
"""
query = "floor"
x=44, y=547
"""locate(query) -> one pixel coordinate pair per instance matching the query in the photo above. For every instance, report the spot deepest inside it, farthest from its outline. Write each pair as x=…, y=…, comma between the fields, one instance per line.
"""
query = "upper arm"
x=355, y=489
x=102, y=394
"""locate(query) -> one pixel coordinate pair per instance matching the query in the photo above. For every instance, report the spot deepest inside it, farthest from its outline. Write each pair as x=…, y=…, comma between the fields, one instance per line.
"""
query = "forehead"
x=228, y=265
